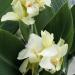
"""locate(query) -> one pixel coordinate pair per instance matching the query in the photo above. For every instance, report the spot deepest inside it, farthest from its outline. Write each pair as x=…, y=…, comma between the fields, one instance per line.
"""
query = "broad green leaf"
x=9, y=49
x=73, y=45
x=10, y=26
x=62, y=25
x=73, y=15
x=27, y=30
x=4, y=6
x=44, y=73
x=48, y=14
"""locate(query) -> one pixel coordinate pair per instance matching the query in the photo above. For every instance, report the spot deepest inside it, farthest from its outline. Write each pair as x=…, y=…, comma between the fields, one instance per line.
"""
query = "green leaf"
x=62, y=25
x=4, y=6
x=48, y=14
x=72, y=52
x=44, y=73
x=73, y=15
x=10, y=26
x=9, y=49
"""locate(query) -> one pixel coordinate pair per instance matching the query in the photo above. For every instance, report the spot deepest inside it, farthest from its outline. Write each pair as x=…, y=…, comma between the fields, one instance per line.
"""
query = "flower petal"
x=34, y=43
x=33, y=10
x=58, y=66
x=23, y=54
x=48, y=2
x=10, y=16
x=47, y=38
x=28, y=20
x=49, y=52
x=63, y=50
x=34, y=58
x=61, y=42
x=28, y=54
x=23, y=68
x=14, y=2
x=46, y=64
x=18, y=9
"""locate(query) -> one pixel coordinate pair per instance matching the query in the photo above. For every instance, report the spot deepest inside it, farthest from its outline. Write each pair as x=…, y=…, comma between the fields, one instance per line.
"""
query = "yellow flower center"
x=55, y=60
x=28, y=4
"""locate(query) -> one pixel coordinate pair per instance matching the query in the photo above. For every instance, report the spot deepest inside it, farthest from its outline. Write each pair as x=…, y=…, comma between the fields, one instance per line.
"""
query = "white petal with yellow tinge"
x=10, y=16
x=48, y=2
x=28, y=20
x=23, y=68
x=46, y=63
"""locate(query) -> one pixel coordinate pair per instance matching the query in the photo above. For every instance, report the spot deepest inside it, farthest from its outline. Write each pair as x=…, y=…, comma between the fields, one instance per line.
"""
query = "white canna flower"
x=43, y=51
x=19, y=13
x=25, y=10
x=53, y=56
x=33, y=48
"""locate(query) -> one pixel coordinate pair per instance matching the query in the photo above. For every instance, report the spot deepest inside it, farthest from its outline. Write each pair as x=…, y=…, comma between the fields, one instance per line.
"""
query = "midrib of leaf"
x=55, y=13
x=8, y=62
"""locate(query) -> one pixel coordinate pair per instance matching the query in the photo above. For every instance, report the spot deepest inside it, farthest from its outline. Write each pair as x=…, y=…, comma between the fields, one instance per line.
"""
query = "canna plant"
x=36, y=36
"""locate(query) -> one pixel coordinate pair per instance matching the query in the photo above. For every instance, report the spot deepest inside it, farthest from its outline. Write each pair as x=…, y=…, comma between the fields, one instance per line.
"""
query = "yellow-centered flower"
x=52, y=57
x=30, y=53
x=43, y=51
x=25, y=10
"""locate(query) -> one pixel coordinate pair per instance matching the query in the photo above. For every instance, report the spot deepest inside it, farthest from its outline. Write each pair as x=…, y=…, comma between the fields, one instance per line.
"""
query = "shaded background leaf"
x=10, y=26
x=48, y=14
x=62, y=27
x=72, y=53
x=9, y=48
x=5, y=6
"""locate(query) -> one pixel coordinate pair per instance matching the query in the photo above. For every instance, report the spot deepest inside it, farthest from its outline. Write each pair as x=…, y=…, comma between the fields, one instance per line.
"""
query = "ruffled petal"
x=61, y=42
x=47, y=38
x=18, y=9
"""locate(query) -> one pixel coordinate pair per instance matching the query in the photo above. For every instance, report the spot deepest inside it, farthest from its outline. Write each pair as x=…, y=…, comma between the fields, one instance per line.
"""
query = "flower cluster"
x=43, y=51
x=26, y=10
